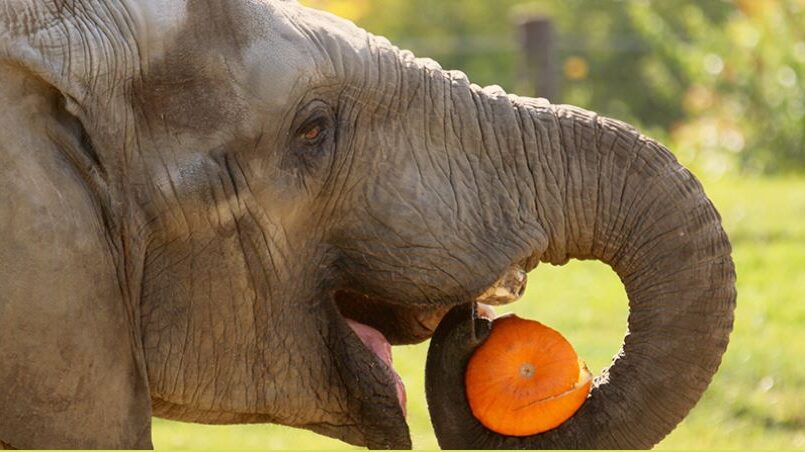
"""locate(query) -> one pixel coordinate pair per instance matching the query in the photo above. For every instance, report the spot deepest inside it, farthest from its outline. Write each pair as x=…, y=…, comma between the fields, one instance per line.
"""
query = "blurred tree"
x=723, y=80
x=475, y=36
x=745, y=93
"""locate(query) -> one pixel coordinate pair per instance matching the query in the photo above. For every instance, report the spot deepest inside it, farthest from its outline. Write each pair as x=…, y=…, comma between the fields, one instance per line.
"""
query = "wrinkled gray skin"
x=176, y=244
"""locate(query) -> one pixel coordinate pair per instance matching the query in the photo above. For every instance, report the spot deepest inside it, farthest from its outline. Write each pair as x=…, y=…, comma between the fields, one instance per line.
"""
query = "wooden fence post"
x=538, y=44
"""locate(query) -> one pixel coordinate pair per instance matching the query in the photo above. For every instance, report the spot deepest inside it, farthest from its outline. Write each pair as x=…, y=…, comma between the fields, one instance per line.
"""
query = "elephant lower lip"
x=375, y=341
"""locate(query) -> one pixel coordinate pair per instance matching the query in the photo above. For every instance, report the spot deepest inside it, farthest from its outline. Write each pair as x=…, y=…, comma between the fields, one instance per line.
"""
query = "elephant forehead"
x=224, y=58
x=157, y=24
x=294, y=48
x=279, y=63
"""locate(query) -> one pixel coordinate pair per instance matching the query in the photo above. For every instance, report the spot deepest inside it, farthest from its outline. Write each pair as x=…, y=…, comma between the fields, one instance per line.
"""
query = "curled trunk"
x=603, y=191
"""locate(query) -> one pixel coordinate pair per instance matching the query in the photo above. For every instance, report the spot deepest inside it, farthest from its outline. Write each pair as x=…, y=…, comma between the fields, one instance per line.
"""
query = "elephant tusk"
x=484, y=311
x=508, y=289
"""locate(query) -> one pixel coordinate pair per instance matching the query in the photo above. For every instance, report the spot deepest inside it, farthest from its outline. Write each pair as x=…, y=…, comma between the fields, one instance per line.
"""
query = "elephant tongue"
x=380, y=346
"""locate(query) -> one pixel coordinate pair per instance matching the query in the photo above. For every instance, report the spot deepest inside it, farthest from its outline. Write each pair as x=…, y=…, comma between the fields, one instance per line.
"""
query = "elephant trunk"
x=603, y=191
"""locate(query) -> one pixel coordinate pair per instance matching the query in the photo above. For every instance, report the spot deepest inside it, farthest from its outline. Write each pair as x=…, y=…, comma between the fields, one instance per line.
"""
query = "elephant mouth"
x=380, y=324
x=399, y=324
x=405, y=325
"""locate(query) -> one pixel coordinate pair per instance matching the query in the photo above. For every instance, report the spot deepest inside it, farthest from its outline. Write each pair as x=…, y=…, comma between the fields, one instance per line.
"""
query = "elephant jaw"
x=377, y=343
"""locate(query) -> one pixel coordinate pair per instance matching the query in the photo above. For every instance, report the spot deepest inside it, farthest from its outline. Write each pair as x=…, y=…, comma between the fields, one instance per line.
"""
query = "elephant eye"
x=312, y=133
x=315, y=130
x=312, y=136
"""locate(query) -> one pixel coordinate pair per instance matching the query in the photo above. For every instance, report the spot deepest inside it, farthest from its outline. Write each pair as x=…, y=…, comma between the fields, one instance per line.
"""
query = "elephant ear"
x=72, y=373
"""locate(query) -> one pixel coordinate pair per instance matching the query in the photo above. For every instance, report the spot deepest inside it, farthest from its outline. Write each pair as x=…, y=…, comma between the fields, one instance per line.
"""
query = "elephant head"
x=225, y=212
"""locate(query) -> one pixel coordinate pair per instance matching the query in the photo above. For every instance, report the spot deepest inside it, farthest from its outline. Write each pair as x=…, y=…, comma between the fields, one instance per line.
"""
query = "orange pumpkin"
x=525, y=378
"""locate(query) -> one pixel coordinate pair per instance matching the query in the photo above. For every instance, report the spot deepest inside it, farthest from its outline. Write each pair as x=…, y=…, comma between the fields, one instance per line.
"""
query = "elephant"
x=228, y=211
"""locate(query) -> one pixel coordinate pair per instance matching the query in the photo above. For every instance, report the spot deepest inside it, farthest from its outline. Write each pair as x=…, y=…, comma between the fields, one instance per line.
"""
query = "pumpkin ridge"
x=588, y=378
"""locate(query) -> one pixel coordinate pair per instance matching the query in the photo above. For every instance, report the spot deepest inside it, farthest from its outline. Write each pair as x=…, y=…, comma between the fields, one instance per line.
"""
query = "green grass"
x=757, y=399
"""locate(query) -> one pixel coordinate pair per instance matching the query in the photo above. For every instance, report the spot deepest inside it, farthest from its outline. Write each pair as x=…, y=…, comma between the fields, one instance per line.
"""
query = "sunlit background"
x=721, y=83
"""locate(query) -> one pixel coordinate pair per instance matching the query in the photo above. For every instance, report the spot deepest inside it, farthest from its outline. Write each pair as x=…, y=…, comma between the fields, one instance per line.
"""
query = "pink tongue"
x=378, y=344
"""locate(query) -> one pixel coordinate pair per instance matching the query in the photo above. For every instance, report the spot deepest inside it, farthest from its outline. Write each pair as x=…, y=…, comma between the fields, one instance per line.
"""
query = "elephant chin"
x=377, y=343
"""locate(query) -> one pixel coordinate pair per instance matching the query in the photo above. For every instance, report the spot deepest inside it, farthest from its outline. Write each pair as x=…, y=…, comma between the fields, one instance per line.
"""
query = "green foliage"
x=739, y=71
x=721, y=81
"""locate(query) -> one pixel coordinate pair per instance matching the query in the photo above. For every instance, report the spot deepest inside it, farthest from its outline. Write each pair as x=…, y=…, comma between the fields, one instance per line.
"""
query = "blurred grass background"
x=720, y=82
